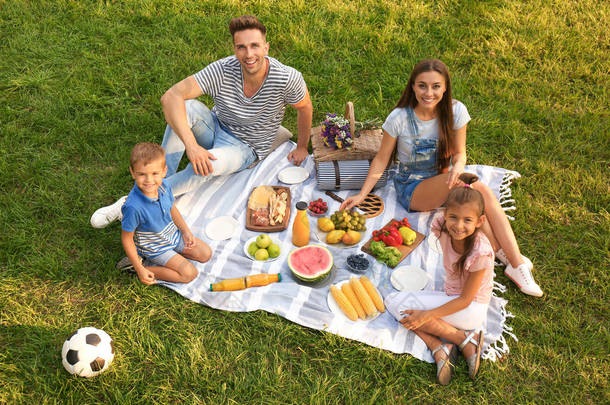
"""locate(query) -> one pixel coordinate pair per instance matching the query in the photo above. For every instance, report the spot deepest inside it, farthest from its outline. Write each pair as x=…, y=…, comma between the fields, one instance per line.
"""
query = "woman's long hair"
x=460, y=195
x=444, y=108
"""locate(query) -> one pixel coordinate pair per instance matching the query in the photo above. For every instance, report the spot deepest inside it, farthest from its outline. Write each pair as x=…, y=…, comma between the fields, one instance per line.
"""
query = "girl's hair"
x=444, y=108
x=458, y=196
x=146, y=152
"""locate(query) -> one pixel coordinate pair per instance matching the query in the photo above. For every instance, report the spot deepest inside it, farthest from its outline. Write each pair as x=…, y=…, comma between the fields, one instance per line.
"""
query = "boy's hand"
x=146, y=276
x=188, y=238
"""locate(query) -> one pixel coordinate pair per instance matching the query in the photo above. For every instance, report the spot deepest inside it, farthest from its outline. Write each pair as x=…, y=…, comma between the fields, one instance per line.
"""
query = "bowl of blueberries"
x=357, y=263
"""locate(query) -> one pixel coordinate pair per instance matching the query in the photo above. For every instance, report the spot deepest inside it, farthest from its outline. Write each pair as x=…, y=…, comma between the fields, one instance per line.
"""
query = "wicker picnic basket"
x=342, y=169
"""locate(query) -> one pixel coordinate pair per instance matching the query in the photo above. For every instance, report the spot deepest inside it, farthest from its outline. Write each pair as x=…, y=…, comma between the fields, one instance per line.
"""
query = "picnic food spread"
x=263, y=248
x=310, y=263
x=393, y=242
x=255, y=280
x=300, y=228
x=268, y=209
x=358, y=298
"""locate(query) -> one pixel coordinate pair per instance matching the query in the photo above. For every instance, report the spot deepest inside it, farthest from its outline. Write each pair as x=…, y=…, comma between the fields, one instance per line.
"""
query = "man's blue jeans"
x=232, y=155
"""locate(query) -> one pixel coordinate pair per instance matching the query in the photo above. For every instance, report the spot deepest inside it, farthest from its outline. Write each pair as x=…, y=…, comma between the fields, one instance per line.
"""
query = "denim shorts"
x=163, y=258
x=422, y=166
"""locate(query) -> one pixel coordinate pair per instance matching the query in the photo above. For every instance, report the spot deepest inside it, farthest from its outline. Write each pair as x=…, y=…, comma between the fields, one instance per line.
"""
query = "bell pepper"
x=392, y=237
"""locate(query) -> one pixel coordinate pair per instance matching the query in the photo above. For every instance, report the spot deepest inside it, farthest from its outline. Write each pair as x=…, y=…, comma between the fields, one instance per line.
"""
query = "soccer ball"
x=87, y=352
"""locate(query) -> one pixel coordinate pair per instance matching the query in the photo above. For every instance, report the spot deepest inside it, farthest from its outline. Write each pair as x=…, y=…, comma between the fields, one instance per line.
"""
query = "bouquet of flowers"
x=336, y=133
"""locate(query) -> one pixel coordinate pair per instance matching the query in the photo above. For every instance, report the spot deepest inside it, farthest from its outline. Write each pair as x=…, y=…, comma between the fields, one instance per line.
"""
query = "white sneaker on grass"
x=107, y=215
x=522, y=276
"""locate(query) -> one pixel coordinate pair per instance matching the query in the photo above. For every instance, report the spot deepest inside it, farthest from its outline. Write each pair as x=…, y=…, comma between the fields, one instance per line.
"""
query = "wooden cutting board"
x=404, y=249
x=270, y=228
x=371, y=206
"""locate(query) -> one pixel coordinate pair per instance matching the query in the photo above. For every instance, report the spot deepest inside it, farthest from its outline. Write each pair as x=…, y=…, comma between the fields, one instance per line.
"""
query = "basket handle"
x=349, y=114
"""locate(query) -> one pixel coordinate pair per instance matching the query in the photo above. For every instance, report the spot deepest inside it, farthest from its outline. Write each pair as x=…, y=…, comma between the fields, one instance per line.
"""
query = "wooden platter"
x=270, y=228
x=371, y=206
x=404, y=249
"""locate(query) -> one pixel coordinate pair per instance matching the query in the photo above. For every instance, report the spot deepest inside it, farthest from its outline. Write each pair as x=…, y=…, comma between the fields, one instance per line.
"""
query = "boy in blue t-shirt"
x=152, y=225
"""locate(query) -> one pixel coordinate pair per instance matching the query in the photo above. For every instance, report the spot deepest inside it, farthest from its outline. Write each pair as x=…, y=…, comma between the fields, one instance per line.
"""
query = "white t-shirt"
x=397, y=125
x=254, y=120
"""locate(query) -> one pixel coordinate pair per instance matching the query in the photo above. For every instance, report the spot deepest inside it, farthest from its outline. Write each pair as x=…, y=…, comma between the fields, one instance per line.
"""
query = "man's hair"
x=246, y=22
x=145, y=153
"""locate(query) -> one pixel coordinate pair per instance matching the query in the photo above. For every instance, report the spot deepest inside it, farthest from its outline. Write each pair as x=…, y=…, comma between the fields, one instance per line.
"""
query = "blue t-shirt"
x=151, y=221
x=397, y=125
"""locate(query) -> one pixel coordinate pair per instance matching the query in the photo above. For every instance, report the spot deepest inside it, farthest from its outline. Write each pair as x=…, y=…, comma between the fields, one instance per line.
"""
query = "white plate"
x=222, y=228
x=409, y=278
x=293, y=175
x=253, y=239
x=334, y=307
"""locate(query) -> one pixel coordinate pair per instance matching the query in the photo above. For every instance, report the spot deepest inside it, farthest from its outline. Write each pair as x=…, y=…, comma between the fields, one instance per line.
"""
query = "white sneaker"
x=501, y=256
x=522, y=276
x=107, y=215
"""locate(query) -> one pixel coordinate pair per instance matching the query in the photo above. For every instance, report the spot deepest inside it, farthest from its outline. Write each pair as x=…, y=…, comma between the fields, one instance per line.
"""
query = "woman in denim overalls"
x=428, y=130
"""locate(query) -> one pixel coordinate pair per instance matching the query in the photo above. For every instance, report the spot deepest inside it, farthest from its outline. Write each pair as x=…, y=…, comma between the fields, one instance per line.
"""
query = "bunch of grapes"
x=345, y=219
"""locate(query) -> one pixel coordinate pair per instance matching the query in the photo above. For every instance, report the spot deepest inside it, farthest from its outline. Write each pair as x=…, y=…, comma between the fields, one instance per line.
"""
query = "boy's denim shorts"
x=163, y=258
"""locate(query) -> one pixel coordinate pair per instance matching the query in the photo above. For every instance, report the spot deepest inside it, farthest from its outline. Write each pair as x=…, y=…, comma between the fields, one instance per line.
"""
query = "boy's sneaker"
x=107, y=215
x=522, y=276
x=125, y=265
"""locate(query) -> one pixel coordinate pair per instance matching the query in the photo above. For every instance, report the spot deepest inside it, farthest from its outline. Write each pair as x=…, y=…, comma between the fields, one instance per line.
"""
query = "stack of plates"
x=351, y=174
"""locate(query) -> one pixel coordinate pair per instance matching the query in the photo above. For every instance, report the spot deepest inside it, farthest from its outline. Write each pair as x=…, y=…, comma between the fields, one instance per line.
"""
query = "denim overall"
x=421, y=166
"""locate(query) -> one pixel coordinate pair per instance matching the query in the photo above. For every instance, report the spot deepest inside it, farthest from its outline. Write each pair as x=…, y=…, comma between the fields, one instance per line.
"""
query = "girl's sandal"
x=444, y=367
x=474, y=360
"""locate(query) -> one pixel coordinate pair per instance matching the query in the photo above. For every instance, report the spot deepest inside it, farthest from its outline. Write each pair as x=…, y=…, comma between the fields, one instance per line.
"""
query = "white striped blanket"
x=228, y=195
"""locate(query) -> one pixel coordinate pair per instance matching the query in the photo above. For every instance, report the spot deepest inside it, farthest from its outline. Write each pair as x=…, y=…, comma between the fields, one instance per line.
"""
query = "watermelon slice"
x=310, y=263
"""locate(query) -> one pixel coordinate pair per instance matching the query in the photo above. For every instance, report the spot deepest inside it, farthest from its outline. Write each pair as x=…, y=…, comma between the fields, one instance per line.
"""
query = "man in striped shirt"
x=250, y=92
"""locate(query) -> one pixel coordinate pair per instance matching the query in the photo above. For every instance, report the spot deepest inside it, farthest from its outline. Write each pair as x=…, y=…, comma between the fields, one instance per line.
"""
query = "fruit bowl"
x=269, y=259
x=358, y=264
x=317, y=208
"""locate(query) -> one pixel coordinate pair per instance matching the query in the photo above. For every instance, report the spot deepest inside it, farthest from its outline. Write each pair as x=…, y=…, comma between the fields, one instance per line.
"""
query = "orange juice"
x=300, y=228
x=259, y=280
x=230, y=284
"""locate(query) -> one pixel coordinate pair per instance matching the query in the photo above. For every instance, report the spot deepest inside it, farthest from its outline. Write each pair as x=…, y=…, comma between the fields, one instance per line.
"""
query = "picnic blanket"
x=300, y=303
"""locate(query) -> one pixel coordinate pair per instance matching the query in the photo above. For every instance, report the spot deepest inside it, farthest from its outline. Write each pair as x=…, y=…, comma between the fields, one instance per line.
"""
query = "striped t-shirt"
x=151, y=221
x=254, y=120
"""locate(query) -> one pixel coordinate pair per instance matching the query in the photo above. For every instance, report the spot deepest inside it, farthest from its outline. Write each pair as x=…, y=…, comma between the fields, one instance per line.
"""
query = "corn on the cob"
x=373, y=293
x=351, y=297
x=343, y=303
x=363, y=297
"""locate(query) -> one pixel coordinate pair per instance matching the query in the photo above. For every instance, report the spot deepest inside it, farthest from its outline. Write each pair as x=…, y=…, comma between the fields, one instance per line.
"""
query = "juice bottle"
x=230, y=284
x=259, y=280
x=300, y=228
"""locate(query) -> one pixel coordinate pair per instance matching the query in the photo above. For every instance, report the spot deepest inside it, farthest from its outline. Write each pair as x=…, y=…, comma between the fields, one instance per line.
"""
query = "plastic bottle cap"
x=211, y=287
x=301, y=205
x=279, y=277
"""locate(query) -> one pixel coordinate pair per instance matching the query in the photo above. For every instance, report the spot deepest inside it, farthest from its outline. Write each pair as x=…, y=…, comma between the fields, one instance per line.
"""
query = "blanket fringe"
x=505, y=199
x=500, y=347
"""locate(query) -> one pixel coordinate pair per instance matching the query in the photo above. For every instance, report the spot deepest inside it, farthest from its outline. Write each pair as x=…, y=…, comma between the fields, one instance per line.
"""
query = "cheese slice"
x=260, y=197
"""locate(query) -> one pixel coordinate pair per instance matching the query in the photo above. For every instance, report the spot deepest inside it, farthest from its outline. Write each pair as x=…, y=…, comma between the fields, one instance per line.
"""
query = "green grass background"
x=80, y=83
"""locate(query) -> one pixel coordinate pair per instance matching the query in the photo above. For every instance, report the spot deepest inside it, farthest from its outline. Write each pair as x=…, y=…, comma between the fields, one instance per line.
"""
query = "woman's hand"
x=351, y=202
x=416, y=318
x=453, y=176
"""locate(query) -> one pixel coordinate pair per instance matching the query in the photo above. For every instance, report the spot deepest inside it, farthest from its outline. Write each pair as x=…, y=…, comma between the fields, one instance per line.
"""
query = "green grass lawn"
x=80, y=83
